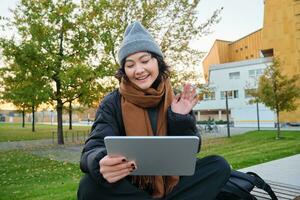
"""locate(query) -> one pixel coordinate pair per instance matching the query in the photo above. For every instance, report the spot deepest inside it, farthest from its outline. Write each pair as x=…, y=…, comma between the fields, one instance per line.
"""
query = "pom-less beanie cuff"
x=137, y=39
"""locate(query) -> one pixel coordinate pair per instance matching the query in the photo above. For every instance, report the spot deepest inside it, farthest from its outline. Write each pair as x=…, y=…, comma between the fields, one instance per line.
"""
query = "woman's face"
x=141, y=69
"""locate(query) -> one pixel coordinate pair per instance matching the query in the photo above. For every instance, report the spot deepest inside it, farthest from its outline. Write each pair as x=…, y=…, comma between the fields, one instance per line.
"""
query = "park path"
x=70, y=152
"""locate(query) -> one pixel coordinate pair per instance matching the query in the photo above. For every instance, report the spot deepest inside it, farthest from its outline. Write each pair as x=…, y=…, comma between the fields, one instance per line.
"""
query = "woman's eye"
x=145, y=61
x=129, y=66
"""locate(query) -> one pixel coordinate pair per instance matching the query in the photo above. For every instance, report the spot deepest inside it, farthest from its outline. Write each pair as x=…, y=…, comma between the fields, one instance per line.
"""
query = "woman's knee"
x=217, y=163
x=87, y=188
x=222, y=165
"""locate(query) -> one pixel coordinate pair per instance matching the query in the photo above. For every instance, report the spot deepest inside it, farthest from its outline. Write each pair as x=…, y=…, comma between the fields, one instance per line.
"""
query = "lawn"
x=25, y=176
x=15, y=132
x=253, y=147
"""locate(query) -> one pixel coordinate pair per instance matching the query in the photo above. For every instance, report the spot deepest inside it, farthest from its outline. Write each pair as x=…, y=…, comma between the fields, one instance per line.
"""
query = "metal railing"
x=72, y=136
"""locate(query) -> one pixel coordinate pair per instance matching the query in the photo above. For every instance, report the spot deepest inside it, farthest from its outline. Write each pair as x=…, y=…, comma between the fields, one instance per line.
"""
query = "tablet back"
x=156, y=155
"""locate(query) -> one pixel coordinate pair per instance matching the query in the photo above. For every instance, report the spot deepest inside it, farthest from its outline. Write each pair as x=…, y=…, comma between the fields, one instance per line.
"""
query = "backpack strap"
x=260, y=183
x=244, y=194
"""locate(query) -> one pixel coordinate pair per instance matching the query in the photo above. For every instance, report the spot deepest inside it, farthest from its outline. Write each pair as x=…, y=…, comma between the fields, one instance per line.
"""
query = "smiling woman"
x=141, y=69
x=145, y=105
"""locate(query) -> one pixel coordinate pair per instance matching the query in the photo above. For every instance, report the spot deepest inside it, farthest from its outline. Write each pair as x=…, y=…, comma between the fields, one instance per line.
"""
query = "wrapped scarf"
x=134, y=104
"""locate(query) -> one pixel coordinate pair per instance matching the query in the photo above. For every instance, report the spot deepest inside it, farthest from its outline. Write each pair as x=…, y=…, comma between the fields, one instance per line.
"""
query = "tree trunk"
x=33, y=118
x=70, y=115
x=227, y=115
x=23, y=118
x=257, y=113
x=278, y=125
x=60, y=135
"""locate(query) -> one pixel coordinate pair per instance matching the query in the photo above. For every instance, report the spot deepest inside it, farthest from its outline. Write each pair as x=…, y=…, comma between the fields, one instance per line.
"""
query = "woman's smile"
x=141, y=69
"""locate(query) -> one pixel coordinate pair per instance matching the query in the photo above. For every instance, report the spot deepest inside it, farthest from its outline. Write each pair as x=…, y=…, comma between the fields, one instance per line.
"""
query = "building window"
x=209, y=96
x=236, y=50
x=255, y=72
x=252, y=73
x=259, y=72
x=248, y=92
x=241, y=48
x=234, y=75
x=252, y=55
x=246, y=47
x=235, y=94
x=246, y=57
x=231, y=94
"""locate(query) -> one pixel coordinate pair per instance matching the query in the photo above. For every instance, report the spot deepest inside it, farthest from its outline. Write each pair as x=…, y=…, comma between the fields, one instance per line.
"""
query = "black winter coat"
x=108, y=122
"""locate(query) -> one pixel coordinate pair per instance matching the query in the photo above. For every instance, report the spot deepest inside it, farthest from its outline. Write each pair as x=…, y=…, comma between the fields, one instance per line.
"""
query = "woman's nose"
x=139, y=70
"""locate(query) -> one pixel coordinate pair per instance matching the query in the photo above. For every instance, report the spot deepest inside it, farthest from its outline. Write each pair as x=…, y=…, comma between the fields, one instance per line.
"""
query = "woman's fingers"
x=183, y=93
x=176, y=98
x=189, y=92
x=112, y=178
x=193, y=94
x=195, y=101
x=115, y=173
x=118, y=167
x=115, y=168
x=109, y=160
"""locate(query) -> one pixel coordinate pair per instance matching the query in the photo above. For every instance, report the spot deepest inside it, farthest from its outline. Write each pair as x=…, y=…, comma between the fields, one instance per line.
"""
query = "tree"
x=251, y=90
x=23, y=84
x=79, y=84
x=277, y=91
x=67, y=34
x=172, y=23
x=63, y=34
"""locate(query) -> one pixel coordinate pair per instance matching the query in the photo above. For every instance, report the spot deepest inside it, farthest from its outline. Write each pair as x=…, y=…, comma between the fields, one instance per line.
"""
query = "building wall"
x=217, y=54
x=281, y=33
x=246, y=48
x=242, y=113
x=225, y=51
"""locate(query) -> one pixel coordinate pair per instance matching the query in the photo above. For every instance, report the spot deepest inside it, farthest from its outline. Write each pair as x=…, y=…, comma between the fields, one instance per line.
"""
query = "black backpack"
x=241, y=184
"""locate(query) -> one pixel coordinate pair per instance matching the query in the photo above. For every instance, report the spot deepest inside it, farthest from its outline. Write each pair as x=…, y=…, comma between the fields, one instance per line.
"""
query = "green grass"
x=15, y=132
x=24, y=176
x=253, y=147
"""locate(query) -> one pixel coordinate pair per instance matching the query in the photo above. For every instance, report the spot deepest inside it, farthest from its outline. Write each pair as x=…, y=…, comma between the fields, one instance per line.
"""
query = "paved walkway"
x=65, y=153
x=222, y=131
x=70, y=152
x=285, y=170
x=31, y=144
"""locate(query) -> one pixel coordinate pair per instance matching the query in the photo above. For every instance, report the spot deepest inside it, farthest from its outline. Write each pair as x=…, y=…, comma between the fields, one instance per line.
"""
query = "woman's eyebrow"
x=145, y=55
x=142, y=56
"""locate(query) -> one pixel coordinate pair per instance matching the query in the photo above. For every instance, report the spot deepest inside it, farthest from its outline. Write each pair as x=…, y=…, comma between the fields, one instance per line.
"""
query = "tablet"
x=156, y=155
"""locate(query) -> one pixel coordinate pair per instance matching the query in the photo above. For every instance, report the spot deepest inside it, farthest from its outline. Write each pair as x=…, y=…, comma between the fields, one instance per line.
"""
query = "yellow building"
x=279, y=37
x=226, y=51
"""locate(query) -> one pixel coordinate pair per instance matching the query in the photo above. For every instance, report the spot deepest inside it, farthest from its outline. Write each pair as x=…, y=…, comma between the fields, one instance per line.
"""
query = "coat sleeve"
x=182, y=125
x=94, y=150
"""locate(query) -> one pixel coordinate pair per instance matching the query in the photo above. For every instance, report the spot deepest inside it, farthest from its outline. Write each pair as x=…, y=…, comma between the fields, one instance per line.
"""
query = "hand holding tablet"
x=156, y=155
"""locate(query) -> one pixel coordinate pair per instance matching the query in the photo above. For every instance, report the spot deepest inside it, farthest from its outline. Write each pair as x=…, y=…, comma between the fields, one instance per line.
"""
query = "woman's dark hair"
x=164, y=69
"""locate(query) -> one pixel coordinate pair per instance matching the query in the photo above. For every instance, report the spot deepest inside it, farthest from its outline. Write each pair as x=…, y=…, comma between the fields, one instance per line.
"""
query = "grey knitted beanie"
x=136, y=39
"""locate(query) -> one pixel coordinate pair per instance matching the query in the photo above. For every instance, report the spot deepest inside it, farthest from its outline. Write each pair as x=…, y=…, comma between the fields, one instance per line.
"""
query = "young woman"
x=144, y=104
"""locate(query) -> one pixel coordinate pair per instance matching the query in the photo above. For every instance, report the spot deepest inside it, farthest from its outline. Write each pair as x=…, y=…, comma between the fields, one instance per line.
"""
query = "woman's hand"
x=183, y=103
x=115, y=168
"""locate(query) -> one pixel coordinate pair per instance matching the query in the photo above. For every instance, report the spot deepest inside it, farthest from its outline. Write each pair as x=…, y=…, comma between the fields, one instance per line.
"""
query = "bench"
x=282, y=191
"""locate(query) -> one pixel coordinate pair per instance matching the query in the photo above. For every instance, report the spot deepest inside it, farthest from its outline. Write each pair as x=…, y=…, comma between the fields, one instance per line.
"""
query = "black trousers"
x=211, y=174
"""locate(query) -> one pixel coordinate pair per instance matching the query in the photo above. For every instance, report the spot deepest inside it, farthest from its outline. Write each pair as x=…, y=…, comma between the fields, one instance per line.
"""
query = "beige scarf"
x=134, y=104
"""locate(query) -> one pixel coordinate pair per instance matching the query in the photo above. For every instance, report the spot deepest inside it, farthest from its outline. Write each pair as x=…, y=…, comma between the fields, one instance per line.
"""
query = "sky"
x=238, y=18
